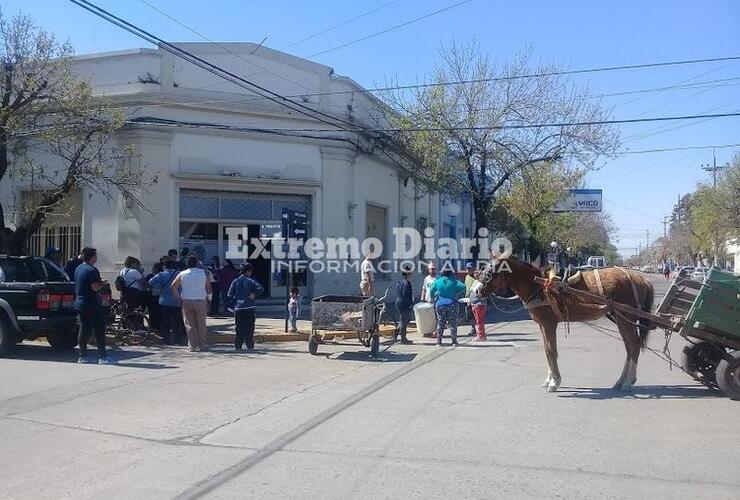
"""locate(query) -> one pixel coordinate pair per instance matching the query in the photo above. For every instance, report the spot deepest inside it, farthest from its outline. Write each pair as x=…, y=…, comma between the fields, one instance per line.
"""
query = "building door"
x=262, y=271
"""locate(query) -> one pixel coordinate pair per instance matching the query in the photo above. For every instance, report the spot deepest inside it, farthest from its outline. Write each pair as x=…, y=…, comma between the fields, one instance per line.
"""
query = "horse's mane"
x=528, y=265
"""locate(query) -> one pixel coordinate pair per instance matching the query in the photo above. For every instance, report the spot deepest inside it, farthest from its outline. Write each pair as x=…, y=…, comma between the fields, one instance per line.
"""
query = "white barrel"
x=426, y=320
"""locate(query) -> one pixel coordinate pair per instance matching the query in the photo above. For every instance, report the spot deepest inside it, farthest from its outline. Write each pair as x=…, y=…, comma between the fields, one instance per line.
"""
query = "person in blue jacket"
x=445, y=291
x=171, y=328
x=243, y=292
x=404, y=305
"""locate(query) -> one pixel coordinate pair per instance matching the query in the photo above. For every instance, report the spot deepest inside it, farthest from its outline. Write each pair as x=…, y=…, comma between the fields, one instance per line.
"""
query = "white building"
x=212, y=178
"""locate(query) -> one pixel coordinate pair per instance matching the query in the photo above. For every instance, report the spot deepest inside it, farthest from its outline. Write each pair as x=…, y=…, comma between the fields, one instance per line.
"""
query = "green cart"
x=708, y=316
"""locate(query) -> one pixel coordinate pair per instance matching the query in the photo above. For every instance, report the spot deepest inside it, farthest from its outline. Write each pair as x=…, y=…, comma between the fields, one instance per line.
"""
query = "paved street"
x=468, y=422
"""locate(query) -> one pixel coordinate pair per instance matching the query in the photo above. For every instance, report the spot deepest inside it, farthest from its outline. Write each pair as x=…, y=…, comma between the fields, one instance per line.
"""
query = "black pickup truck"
x=36, y=300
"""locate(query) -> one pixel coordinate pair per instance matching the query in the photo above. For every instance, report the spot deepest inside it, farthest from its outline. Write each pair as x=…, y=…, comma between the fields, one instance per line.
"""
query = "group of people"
x=443, y=291
x=179, y=293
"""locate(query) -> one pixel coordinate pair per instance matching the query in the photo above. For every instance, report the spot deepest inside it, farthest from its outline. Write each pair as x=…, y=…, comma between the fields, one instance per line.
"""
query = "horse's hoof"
x=618, y=386
x=546, y=382
x=552, y=387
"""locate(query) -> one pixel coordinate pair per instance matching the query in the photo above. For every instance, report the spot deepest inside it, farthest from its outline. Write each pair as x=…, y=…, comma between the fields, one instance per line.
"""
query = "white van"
x=596, y=261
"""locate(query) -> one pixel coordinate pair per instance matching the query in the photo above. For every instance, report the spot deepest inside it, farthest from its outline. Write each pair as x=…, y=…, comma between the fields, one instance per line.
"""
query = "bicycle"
x=128, y=327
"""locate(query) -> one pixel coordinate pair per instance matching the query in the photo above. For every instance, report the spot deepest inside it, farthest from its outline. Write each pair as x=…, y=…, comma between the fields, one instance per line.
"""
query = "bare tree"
x=477, y=135
x=54, y=131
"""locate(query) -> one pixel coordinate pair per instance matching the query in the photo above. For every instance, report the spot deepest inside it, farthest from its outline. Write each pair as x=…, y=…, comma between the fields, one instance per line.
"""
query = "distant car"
x=648, y=269
x=596, y=261
x=699, y=274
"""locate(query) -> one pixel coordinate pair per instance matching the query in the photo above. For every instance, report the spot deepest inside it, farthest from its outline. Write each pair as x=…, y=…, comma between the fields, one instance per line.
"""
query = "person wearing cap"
x=428, y=282
x=469, y=280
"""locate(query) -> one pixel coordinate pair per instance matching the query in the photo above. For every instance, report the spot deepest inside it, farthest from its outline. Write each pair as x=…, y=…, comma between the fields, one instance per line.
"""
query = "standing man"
x=89, y=306
x=404, y=305
x=367, y=277
x=243, y=291
x=214, y=271
x=428, y=282
x=192, y=289
x=171, y=326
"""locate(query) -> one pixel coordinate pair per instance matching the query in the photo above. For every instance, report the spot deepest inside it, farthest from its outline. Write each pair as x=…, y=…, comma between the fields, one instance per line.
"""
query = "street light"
x=453, y=210
x=526, y=234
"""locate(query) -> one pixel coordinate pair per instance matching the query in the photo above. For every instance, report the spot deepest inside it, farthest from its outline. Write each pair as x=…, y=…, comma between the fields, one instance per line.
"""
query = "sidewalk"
x=221, y=330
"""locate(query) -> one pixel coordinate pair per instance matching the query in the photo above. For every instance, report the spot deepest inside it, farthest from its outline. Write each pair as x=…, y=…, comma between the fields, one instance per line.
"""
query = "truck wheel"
x=700, y=360
x=728, y=375
x=62, y=341
x=7, y=339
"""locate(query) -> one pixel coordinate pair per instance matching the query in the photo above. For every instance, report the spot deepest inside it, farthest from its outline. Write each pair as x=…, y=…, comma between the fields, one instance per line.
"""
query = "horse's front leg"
x=549, y=338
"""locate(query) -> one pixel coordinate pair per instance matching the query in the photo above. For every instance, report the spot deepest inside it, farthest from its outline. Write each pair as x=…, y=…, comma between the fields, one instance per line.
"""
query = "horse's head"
x=494, y=276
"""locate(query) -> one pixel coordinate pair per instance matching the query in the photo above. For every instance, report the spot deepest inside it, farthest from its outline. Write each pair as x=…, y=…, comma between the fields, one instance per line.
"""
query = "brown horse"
x=548, y=308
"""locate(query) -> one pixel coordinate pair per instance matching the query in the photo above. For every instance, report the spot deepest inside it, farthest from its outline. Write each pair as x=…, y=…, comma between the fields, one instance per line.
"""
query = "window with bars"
x=62, y=228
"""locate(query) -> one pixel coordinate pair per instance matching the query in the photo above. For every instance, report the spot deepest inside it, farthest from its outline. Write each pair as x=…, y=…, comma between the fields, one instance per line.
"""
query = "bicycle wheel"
x=136, y=327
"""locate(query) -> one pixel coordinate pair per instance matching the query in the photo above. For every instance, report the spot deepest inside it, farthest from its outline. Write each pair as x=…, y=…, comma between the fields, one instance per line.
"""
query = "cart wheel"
x=700, y=360
x=728, y=375
x=374, y=345
x=313, y=344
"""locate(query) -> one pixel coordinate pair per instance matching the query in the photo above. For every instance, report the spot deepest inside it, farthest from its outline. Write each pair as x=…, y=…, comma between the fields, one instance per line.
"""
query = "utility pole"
x=714, y=168
x=647, y=239
x=665, y=227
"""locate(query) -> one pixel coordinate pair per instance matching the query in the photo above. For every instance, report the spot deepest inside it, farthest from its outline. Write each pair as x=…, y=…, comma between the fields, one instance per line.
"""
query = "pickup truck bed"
x=36, y=300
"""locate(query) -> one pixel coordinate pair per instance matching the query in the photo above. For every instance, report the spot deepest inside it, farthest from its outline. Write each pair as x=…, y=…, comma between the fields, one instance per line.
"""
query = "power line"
x=525, y=76
x=239, y=100
x=339, y=25
x=211, y=68
x=392, y=28
x=511, y=126
x=260, y=128
x=681, y=148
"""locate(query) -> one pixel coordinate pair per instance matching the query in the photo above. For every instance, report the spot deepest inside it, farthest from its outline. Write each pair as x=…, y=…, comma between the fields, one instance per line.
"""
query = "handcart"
x=347, y=313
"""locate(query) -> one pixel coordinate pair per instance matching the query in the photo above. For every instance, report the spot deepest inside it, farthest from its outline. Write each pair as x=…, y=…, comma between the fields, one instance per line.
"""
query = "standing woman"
x=478, y=306
x=445, y=291
x=192, y=287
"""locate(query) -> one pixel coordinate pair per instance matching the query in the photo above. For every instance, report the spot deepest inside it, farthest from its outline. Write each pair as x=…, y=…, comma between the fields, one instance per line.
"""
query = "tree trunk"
x=480, y=210
x=13, y=242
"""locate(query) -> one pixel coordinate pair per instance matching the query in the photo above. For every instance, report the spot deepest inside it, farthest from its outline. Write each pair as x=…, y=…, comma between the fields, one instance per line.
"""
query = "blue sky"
x=638, y=189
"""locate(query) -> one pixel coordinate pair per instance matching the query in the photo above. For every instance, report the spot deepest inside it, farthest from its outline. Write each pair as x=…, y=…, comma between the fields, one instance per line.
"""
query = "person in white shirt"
x=428, y=282
x=134, y=284
x=367, y=277
x=193, y=288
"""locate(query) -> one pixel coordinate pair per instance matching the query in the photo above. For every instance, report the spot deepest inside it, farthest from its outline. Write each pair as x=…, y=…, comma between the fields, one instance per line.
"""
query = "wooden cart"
x=347, y=313
x=706, y=314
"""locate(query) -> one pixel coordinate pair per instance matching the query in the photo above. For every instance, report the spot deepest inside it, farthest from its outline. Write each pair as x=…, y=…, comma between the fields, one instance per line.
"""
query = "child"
x=294, y=309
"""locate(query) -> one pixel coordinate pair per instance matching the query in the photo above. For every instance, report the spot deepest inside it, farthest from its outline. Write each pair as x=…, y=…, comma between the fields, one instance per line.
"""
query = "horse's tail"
x=645, y=324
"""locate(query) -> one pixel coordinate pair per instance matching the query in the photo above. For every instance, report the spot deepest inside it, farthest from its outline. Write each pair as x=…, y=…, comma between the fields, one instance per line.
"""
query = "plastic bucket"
x=426, y=320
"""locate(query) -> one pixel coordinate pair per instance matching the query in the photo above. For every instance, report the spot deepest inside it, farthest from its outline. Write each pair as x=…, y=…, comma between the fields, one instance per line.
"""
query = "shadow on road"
x=640, y=392
x=384, y=357
x=130, y=359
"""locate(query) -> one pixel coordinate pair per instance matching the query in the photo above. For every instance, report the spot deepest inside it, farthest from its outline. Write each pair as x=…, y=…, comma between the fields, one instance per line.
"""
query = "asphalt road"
x=465, y=422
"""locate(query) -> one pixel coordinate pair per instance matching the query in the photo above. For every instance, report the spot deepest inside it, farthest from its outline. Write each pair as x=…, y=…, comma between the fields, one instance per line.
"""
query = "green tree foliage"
x=54, y=133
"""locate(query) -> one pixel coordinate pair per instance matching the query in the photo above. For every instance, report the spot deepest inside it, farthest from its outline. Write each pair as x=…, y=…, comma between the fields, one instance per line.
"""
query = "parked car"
x=596, y=261
x=648, y=269
x=36, y=300
x=699, y=274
